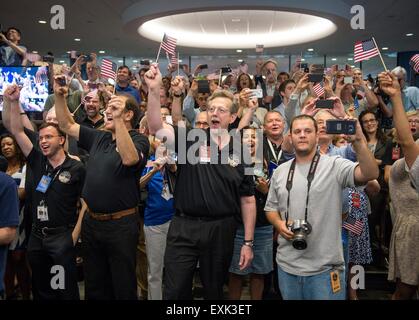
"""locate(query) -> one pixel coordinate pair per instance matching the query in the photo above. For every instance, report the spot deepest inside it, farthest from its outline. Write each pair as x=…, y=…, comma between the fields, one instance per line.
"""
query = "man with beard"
x=116, y=159
x=92, y=106
x=313, y=268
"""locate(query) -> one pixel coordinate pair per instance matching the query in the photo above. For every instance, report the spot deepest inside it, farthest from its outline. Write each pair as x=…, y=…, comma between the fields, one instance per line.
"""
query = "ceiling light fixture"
x=385, y=48
x=308, y=28
x=102, y=51
x=239, y=50
x=240, y=60
x=311, y=49
x=34, y=51
x=42, y=22
x=350, y=59
x=409, y=34
x=135, y=61
x=77, y=39
x=120, y=61
x=334, y=59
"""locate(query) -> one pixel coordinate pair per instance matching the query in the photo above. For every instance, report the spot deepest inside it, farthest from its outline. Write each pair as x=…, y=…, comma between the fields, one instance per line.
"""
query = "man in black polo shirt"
x=59, y=180
x=92, y=106
x=208, y=198
x=109, y=230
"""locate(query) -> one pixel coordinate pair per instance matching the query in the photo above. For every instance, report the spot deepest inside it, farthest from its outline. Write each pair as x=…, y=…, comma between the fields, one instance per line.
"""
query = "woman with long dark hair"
x=17, y=265
x=381, y=148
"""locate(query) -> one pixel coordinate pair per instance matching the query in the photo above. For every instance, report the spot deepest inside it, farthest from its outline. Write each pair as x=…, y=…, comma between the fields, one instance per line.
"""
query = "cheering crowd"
x=289, y=178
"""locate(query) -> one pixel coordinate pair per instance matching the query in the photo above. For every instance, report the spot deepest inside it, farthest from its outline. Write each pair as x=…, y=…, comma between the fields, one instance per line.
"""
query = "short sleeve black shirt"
x=63, y=192
x=207, y=189
x=110, y=186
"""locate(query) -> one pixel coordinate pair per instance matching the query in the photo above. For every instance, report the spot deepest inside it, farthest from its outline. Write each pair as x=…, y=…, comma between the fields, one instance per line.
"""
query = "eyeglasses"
x=220, y=110
x=199, y=123
x=414, y=121
x=48, y=137
x=369, y=121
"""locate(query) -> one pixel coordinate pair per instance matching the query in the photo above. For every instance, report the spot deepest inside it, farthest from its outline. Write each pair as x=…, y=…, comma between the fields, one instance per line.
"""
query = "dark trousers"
x=109, y=258
x=43, y=254
x=189, y=241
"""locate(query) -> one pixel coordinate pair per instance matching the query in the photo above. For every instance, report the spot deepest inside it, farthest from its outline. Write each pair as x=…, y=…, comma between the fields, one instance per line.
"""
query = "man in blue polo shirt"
x=122, y=83
x=9, y=216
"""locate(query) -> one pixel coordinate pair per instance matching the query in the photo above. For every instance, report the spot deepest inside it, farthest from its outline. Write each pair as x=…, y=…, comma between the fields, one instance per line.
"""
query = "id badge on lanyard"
x=42, y=211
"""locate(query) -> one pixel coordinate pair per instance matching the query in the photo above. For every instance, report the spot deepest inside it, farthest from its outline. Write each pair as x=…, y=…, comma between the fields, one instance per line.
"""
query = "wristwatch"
x=178, y=95
x=248, y=243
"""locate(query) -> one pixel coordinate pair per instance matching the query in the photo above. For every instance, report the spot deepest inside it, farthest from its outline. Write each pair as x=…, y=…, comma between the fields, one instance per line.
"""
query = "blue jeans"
x=317, y=287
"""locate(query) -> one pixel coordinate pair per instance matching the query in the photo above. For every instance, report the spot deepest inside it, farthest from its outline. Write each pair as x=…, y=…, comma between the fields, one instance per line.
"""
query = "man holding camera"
x=310, y=255
x=11, y=53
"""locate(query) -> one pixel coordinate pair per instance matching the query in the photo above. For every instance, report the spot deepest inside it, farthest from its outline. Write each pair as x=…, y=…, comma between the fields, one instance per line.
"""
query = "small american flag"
x=173, y=60
x=319, y=89
x=41, y=75
x=169, y=44
x=353, y=225
x=414, y=62
x=108, y=69
x=365, y=50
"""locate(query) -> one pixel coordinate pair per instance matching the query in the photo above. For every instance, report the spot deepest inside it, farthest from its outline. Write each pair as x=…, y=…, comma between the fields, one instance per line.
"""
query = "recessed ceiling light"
x=102, y=51
x=310, y=28
x=120, y=61
x=77, y=39
x=240, y=60
x=302, y=59
x=134, y=68
x=69, y=52
x=42, y=22
x=409, y=34
x=311, y=49
x=385, y=48
x=334, y=59
x=235, y=20
x=134, y=61
x=239, y=50
x=350, y=59
x=352, y=66
x=180, y=60
x=62, y=61
x=34, y=51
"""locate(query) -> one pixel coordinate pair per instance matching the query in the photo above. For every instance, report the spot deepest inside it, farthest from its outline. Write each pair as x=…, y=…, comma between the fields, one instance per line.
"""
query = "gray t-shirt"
x=324, y=243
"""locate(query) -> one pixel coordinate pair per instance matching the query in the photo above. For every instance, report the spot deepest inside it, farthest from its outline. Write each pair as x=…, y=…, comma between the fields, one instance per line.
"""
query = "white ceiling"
x=239, y=28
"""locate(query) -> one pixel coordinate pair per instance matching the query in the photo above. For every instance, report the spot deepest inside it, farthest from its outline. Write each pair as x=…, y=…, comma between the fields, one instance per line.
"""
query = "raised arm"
x=390, y=85
x=12, y=94
x=177, y=91
x=19, y=50
x=64, y=117
x=367, y=169
x=124, y=143
x=155, y=124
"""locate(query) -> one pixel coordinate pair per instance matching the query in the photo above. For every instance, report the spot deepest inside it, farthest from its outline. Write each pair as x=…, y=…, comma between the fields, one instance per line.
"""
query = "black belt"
x=46, y=231
x=182, y=215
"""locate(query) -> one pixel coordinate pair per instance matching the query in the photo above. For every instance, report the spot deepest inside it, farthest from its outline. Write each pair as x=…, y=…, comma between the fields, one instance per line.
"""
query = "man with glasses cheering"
x=59, y=180
x=210, y=194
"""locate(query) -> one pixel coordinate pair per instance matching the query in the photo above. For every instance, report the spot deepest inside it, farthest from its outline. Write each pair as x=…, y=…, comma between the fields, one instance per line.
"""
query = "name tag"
x=43, y=184
x=204, y=154
x=42, y=211
x=335, y=281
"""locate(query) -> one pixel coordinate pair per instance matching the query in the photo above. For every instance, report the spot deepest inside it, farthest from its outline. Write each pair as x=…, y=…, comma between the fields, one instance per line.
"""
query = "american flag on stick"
x=365, y=49
x=353, y=225
x=168, y=44
x=173, y=60
x=414, y=63
x=108, y=69
x=319, y=89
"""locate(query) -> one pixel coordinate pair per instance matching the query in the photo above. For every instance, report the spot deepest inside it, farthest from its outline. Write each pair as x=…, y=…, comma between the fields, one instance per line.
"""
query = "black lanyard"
x=50, y=173
x=310, y=178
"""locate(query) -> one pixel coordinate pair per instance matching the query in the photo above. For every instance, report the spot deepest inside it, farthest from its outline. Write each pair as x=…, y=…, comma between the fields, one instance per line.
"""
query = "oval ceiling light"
x=215, y=29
